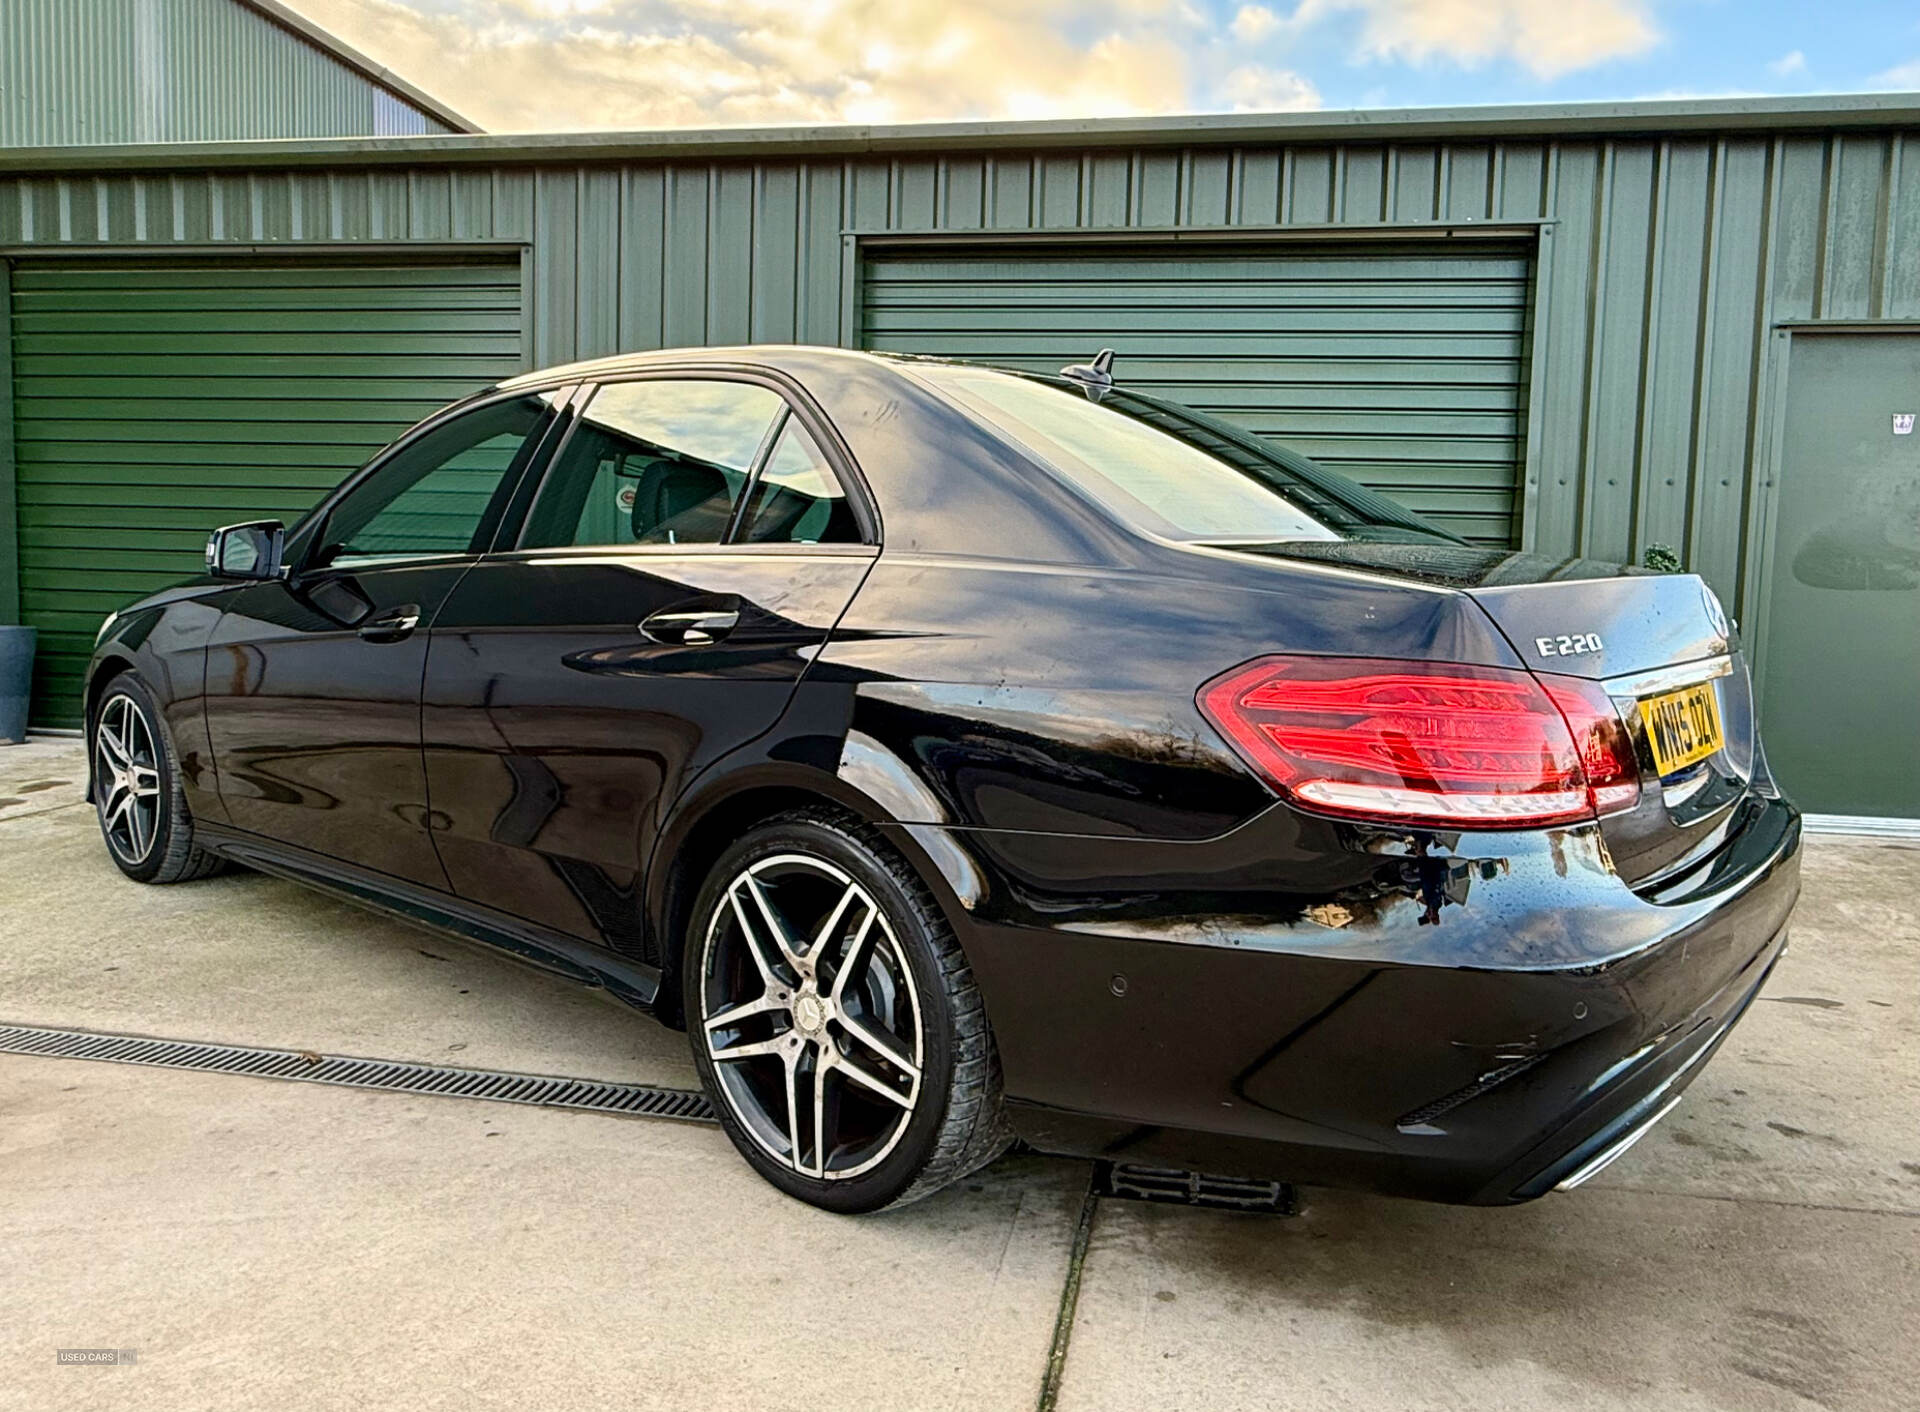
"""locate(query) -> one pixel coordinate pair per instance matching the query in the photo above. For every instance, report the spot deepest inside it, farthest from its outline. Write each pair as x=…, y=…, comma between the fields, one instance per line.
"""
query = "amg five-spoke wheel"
x=811, y=1017
x=835, y=1020
x=136, y=789
x=126, y=773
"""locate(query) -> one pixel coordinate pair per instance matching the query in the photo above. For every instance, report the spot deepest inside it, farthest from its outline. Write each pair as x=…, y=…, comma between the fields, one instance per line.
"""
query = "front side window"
x=663, y=461
x=432, y=496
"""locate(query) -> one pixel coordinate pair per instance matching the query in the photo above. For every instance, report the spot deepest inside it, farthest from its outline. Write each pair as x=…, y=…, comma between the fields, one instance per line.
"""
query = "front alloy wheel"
x=126, y=772
x=137, y=792
x=835, y=1020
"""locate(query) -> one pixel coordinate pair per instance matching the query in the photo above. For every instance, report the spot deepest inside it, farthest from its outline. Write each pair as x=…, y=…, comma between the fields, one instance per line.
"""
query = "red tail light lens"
x=1413, y=742
x=1606, y=750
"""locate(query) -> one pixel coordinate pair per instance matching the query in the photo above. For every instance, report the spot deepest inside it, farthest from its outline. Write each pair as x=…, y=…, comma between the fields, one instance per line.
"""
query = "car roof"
x=795, y=358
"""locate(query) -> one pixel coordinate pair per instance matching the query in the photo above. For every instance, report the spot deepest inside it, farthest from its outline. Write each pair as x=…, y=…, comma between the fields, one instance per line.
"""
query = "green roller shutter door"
x=1403, y=367
x=154, y=402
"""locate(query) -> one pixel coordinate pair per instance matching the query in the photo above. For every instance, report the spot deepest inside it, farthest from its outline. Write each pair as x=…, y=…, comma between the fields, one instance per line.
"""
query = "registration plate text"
x=1683, y=726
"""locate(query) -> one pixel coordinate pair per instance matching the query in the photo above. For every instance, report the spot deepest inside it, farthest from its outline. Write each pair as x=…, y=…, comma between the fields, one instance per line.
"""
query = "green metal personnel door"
x=1840, y=645
x=153, y=402
x=1403, y=366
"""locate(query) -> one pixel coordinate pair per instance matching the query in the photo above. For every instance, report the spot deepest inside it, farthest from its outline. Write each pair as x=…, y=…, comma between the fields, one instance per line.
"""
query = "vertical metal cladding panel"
x=395, y=117
x=66, y=72
x=156, y=401
x=107, y=71
x=1401, y=366
x=1670, y=262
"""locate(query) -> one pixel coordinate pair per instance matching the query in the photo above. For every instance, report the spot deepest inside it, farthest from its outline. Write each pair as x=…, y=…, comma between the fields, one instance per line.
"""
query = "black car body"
x=1020, y=689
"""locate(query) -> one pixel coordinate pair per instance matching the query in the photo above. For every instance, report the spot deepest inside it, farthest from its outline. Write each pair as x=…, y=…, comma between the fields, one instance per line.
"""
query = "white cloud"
x=1546, y=37
x=1792, y=62
x=1257, y=88
x=554, y=65
x=1902, y=78
x=557, y=65
x=1253, y=23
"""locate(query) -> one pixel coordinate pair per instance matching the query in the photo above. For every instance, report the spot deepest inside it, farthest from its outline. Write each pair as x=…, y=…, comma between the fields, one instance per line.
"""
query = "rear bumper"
x=1455, y=1018
x=1638, y=1096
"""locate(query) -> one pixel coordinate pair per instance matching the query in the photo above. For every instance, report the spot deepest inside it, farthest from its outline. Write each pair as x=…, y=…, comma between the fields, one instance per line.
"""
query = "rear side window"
x=797, y=498
x=663, y=461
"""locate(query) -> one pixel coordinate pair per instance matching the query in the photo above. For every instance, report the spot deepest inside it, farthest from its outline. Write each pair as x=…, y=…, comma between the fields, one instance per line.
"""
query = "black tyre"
x=136, y=789
x=835, y=1021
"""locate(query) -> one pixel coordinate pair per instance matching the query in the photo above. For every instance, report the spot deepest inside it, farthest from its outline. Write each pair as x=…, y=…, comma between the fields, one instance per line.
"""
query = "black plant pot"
x=16, y=681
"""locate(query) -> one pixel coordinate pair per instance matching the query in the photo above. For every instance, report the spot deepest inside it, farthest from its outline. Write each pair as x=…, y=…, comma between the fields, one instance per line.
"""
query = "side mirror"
x=247, y=551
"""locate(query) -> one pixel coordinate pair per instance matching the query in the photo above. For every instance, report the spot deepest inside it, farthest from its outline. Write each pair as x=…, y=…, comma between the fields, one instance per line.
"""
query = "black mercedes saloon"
x=961, y=756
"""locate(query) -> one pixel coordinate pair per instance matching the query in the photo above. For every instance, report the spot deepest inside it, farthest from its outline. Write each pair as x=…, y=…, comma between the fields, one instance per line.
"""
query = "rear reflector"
x=1432, y=743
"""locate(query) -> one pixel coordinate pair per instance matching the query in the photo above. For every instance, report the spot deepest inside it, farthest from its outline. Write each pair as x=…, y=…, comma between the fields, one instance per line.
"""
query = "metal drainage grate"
x=1134, y=1182
x=304, y=1066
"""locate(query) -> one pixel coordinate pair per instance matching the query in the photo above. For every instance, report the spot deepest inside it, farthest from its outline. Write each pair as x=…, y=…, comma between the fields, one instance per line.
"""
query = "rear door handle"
x=394, y=626
x=691, y=627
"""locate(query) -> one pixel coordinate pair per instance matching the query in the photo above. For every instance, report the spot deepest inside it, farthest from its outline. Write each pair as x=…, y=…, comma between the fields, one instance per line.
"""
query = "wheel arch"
x=103, y=670
x=707, y=820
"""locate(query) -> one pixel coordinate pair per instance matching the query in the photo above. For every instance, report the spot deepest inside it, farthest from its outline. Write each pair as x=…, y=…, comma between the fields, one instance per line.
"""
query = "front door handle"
x=691, y=627
x=395, y=625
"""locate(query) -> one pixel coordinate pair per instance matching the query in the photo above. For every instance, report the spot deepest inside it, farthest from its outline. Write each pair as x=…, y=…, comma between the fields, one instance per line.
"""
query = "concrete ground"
x=265, y=1244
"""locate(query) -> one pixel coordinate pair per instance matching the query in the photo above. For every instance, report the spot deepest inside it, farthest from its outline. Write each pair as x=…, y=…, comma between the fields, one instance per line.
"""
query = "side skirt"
x=632, y=981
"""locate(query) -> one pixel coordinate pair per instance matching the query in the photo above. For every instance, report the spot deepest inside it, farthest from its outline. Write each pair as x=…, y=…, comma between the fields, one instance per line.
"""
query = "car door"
x=690, y=545
x=313, y=680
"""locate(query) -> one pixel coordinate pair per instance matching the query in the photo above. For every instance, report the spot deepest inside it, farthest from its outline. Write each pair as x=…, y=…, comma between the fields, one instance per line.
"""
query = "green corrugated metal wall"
x=1403, y=368
x=153, y=402
x=105, y=71
x=1666, y=266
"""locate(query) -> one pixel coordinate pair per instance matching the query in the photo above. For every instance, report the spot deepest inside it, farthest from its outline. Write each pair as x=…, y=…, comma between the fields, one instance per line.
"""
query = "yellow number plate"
x=1683, y=726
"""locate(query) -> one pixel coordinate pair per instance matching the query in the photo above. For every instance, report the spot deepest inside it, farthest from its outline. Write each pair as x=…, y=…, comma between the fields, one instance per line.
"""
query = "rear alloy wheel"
x=136, y=790
x=835, y=1021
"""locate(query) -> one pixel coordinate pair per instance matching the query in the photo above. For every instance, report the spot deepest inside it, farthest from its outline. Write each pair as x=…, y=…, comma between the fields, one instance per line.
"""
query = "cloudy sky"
x=555, y=65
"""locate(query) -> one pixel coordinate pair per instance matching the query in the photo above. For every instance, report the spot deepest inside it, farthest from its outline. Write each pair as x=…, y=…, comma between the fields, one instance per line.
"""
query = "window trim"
x=794, y=403
x=532, y=476
x=555, y=553
x=769, y=439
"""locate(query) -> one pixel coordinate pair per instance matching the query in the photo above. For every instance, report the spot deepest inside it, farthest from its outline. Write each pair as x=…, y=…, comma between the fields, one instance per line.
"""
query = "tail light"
x=1606, y=750
x=1429, y=743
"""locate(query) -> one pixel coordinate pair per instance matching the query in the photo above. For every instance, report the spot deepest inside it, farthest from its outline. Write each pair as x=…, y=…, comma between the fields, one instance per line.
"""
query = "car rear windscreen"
x=1173, y=471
